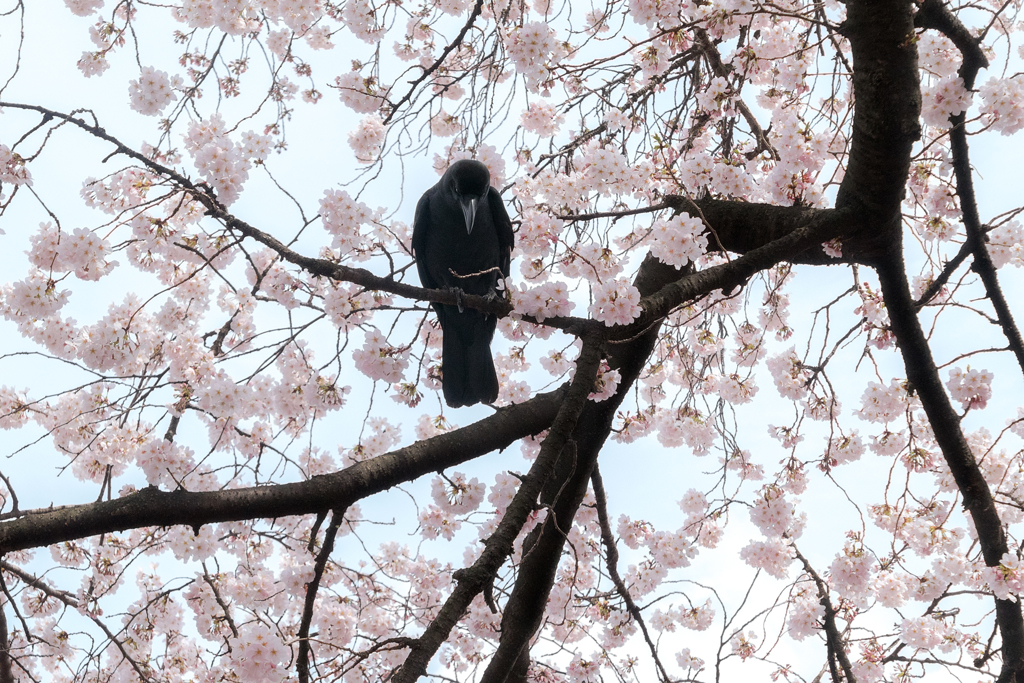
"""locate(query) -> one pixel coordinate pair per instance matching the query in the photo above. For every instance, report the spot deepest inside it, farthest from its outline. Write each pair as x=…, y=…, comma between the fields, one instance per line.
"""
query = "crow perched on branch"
x=462, y=238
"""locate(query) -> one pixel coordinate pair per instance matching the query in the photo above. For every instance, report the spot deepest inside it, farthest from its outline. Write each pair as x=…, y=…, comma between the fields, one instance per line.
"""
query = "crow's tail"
x=467, y=368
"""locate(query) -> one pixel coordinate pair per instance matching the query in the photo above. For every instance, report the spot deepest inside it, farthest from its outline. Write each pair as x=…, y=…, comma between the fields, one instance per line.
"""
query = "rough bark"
x=472, y=580
x=153, y=507
x=565, y=490
x=886, y=120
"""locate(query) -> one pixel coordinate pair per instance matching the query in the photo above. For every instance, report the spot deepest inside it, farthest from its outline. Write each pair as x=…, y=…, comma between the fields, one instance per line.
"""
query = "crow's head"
x=467, y=181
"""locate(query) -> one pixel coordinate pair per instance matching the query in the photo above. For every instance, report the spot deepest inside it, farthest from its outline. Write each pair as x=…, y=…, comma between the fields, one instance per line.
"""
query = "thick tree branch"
x=933, y=14
x=153, y=507
x=564, y=491
x=886, y=119
x=6, y=671
x=742, y=227
x=472, y=581
x=822, y=226
x=945, y=424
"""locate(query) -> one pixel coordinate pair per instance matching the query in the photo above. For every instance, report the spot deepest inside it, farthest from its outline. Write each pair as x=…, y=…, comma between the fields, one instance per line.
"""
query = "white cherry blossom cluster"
x=1003, y=104
x=542, y=118
x=615, y=302
x=347, y=305
x=972, y=388
x=153, y=91
x=220, y=161
x=360, y=17
x=93, y=63
x=12, y=168
x=698, y=617
x=119, y=191
x=769, y=59
x=605, y=170
x=790, y=375
x=944, y=99
x=367, y=139
x=686, y=426
x=715, y=97
x=892, y=588
x=82, y=251
x=379, y=360
x=876, y=319
x=260, y=654
x=883, y=404
x=741, y=462
x=344, y=218
x=737, y=389
x=802, y=153
x=927, y=633
x=1006, y=244
x=1006, y=580
x=357, y=93
x=538, y=234
x=556, y=363
x=844, y=449
x=851, y=573
x=34, y=298
x=937, y=54
x=452, y=502
x=679, y=240
x=805, y=614
x=232, y=18
x=83, y=8
x=444, y=125
x=534, y=50
x=773, y=555
x=774, y=515
x=653, y=58
x=605, y=384
x=546, y=300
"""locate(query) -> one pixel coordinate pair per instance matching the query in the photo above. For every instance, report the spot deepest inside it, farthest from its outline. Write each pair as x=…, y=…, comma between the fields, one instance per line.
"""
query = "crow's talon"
x=458, y=298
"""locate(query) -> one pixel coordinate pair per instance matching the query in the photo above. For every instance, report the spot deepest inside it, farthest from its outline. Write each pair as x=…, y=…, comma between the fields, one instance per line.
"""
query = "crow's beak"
x=468, y=205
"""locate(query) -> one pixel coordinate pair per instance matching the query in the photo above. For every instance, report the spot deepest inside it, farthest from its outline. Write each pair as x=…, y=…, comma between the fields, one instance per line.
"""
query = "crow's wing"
x=503, y=226
x=421, y=227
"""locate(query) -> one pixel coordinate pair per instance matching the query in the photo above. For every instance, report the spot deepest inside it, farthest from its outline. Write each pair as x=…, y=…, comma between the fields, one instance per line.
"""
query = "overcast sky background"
x=644, y=479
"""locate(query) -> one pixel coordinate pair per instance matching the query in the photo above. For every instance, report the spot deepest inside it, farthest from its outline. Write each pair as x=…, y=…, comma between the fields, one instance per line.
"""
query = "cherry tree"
x=756, y=268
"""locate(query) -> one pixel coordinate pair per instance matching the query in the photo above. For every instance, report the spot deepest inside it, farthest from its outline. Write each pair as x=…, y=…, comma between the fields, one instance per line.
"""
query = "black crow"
x=462, y=238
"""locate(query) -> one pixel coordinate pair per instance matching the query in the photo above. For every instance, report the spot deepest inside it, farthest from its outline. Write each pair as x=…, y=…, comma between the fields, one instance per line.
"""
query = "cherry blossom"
x=228, y=454
x=366, y=141
x=153, y=91
x=1001, y=104
x=616, y=302
x=12, y=168
x=972, y=388
x=679, y=240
